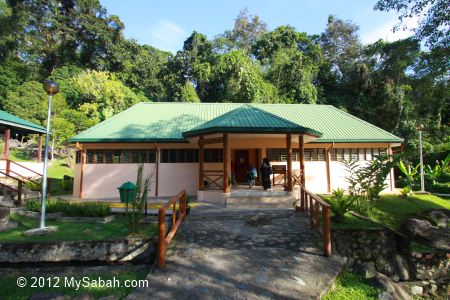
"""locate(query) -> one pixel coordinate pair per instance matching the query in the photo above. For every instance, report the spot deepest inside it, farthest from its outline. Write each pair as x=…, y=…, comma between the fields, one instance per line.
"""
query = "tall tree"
x=246, y=31
x=293, y=60
x=433, y=18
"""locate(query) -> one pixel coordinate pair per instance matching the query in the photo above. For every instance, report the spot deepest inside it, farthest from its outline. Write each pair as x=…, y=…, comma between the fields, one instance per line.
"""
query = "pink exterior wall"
x=102, y=180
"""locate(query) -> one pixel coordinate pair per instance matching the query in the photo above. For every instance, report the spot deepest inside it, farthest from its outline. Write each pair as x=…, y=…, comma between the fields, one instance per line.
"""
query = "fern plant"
x=340, y=204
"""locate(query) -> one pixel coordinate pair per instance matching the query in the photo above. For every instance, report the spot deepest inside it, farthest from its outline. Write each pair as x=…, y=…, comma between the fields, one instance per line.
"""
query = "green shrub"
x=440, y=188
x=406, y=191
x=340, y=204
x=71, y=209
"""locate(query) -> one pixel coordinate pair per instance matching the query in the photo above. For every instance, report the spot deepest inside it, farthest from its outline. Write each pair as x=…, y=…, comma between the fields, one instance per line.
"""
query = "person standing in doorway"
x=251, y=176
x=266, y=170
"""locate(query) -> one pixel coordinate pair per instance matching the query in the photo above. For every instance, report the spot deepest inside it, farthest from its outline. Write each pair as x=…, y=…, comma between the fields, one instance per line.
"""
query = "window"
x=78, y=157
x=107, y=156
x=179, y=155
x=355, y=154
x=280, y=154
x=213, y=155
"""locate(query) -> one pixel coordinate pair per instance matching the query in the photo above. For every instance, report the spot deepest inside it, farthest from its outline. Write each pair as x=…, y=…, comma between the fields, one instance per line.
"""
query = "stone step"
x=260, y=202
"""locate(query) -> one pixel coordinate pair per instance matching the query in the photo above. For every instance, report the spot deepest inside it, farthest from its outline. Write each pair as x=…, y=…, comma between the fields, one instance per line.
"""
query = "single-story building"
x=200, y=146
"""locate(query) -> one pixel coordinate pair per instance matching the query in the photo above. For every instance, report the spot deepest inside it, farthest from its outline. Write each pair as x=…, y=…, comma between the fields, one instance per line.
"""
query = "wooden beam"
x=39, y=158
x=391, y=176
x=301, y=148
x=327, y=161
x=201, y=159
x=289, y=162
x=83, y=161
x=7, y=138
x=226, y=156
x=204, y=141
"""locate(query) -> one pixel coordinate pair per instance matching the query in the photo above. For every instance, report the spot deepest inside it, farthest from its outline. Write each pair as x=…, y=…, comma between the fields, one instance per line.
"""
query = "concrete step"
x=285, y=201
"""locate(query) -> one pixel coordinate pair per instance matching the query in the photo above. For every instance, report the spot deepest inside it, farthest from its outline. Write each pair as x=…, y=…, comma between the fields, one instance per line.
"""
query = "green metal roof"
x=247, y=118
x=10, y=120
x=166, y=122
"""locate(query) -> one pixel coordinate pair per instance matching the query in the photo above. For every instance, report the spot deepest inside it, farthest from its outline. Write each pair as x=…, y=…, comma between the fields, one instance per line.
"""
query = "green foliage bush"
x=340, y=204
x=71, y=209
x=440, y=188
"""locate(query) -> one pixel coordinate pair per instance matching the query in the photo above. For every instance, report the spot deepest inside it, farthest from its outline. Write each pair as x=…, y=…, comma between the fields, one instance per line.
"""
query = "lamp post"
x=420, y=128
x=51, y=88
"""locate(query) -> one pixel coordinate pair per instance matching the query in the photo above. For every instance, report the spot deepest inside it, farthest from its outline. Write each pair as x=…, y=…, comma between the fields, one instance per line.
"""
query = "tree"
x=101, y=95
x=293, y=60
x=433, y=15
x=246, y=31
x=236, y=78
x=50, y=34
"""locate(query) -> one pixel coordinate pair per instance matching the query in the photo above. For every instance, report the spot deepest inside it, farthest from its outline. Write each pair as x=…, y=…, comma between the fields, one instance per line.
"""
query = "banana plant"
x=433, y=173
x=410, y=172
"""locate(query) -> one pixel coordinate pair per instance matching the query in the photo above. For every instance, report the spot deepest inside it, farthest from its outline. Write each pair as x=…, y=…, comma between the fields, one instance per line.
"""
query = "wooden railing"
x=315, y=206
x=177, y=218
x=19, y=190
x=11, y=162
x=214, y=178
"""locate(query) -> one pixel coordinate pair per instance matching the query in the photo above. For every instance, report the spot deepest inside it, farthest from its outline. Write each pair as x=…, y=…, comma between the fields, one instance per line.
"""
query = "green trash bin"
x=127, y=192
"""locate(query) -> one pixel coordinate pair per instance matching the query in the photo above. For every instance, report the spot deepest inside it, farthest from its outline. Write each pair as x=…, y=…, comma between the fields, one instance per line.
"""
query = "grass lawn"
x=9, y=288
x=20, y=156
x=68, y=231
x=352, y=286
x=393, y=210
x=58, y=169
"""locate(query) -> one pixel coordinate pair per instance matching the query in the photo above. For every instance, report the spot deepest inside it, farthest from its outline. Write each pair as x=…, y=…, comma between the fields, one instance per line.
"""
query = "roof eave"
x=261, y=130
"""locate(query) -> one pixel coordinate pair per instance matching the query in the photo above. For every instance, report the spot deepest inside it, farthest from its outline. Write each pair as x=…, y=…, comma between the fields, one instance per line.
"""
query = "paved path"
x=243, y=254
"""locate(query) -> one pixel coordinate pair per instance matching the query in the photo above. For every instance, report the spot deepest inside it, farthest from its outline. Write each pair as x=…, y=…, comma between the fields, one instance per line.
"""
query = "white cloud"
x=385, y=31
x=167, y=35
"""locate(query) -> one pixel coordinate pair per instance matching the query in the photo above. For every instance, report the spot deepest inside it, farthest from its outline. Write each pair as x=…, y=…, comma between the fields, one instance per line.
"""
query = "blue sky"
x=166, y=24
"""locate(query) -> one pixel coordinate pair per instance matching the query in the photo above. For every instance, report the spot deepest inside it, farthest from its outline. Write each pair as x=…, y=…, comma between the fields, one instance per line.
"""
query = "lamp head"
x=51, y=87
x=420, y=127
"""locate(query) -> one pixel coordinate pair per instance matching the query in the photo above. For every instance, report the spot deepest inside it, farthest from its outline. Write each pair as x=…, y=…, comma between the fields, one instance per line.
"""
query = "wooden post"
x=326, y=231
x=83, y=161
x=19, y=194
x=311, y=211
x=8, y=166
x=328, y=158
x=289, y=162
x=302, y=198
x=161, y=261
x=226, y=183
x=174, y=214
x=317, y=213
x=39, y=154
x=201, y=158
x=157, y=170
x=7, y=138
x=301, y=146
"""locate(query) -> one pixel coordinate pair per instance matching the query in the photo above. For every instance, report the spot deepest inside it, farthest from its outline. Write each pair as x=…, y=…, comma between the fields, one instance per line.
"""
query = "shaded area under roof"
x=18, y=125
x=166, y=122
x=249, y=119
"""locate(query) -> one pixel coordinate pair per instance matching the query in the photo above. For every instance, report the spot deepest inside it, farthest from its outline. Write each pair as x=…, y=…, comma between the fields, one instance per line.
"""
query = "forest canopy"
x=394, y=85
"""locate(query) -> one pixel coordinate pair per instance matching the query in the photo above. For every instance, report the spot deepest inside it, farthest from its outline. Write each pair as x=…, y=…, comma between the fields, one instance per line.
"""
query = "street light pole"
x=51, y=88
x=422, y=178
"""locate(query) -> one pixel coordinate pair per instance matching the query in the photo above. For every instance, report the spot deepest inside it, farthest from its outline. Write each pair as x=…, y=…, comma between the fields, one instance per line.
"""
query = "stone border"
x=59, y=217
x=113, y=250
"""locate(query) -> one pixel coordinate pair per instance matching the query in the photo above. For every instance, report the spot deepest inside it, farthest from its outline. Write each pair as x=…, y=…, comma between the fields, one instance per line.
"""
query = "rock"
x=84, y=296
x=49, y=296
x=433, y=289
x=369, y=270
x=298, y=280
x=416, y=290
x=242, y=286
x=391, y=287
x=4, y=214
x=402, y=267
x=110, y=297
x=423, y=232
x=40, y=231
x=385, y=296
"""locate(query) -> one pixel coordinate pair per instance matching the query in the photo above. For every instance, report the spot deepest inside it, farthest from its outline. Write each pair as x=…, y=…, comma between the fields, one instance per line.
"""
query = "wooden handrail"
x=19, y=176
x=22, y=166
x=176, y=219
x=19, y=187
x=314, y=205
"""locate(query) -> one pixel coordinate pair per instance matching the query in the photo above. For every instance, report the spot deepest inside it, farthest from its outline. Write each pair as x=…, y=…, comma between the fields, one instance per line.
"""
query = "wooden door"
x=241, y=165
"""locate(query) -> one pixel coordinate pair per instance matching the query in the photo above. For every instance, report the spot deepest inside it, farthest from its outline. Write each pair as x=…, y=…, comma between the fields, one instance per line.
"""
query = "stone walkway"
x=243, y=254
